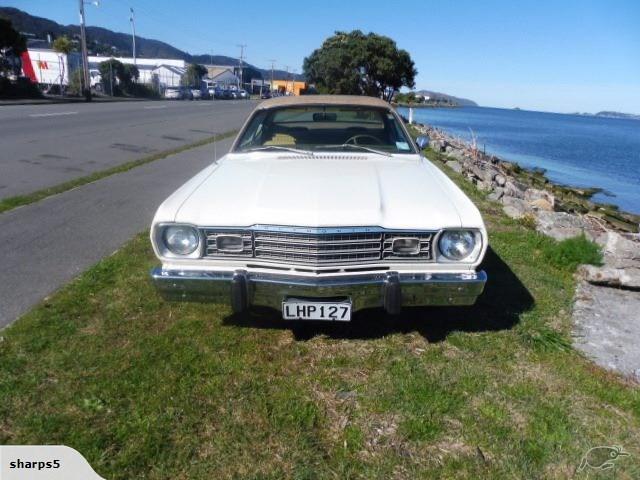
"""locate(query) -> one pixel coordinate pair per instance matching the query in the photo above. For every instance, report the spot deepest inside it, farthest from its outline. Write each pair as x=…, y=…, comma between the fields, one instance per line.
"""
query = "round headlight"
x=457, y=244
x=181, y=240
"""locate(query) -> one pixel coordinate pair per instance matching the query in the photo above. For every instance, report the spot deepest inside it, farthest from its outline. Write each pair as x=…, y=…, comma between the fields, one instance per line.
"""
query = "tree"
x=128, y=75
x=12, y=44
x=360, y=64
x=62, y=46
x=109, y=71
x=193, y=75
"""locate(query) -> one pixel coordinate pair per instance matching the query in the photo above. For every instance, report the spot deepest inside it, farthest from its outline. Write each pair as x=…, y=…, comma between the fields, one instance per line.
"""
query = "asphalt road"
x=44, y=145
x=48, y=243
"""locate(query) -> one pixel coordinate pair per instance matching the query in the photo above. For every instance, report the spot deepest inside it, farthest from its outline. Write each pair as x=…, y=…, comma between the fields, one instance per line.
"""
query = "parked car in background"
x=266, y=95
x=185, y=93
x=324, y=206
x=172, y=93
x=196, y=93
x=244, y=94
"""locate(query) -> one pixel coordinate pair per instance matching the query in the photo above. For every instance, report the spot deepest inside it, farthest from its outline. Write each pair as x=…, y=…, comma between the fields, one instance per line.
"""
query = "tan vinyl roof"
x=355, y=100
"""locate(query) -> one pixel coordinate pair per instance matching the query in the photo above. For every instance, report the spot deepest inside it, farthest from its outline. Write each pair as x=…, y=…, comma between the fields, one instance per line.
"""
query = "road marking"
x=51, y=114
x=155, y=107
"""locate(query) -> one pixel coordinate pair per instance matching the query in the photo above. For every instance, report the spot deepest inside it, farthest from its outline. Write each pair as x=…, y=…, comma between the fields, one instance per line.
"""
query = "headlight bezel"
x=470, y=258
x=163, y=249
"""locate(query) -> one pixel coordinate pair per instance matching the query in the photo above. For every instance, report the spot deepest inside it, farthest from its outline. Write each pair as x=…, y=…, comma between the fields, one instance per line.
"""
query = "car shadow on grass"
x=499, y=307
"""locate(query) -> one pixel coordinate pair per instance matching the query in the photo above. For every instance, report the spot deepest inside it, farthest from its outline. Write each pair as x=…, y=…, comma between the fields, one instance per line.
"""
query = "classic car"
x=324, y=206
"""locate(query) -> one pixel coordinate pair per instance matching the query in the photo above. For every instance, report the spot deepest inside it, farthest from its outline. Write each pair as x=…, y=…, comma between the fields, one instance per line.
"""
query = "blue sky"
x=562, y=56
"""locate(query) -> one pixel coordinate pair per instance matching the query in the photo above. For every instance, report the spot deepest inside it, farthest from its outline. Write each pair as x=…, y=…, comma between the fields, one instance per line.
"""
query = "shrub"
x=570, y=253
x=21, y=88
x=142, y=90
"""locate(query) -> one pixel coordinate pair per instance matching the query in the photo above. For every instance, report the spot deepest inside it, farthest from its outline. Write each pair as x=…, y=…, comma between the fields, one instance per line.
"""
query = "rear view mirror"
x=422, y=141
x=325, y=117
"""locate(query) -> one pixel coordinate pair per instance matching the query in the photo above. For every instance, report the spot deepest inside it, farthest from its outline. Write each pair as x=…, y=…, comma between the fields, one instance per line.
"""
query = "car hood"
x=403, y=191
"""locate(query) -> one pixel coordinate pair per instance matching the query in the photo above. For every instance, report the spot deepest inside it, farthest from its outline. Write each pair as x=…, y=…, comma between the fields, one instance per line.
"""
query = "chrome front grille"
x=211, y=243
x=425, y=246
x=318, y=248
x=321, y=248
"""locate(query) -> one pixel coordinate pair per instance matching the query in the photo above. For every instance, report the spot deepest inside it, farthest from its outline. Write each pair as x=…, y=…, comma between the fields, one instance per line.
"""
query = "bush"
x=142, y=90
x=21, y=88
x=570, y=253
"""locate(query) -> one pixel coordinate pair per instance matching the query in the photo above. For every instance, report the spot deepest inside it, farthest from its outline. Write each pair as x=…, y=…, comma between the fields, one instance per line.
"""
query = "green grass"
x=148, y=389
x=10, y=203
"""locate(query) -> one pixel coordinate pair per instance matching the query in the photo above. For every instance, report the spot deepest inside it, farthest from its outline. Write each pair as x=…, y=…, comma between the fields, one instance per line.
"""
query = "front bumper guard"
x=389, y=290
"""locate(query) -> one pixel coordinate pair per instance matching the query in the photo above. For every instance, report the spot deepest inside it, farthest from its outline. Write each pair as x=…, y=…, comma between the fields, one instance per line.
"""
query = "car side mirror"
x=422, y=141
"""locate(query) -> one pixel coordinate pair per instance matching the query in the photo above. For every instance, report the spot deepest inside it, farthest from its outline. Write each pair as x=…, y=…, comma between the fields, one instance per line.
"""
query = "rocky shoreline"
x=561, y=212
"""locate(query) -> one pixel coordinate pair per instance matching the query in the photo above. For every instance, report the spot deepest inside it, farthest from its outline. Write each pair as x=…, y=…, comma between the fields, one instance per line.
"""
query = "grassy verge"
x=10, y=203
x=148, y=389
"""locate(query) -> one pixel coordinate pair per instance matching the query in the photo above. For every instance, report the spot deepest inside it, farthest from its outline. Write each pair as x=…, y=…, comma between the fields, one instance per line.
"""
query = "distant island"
x=428, y=98
x=610, y=114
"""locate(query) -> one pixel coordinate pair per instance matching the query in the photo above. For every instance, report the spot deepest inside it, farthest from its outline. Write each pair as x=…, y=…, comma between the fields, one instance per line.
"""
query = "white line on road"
x=155, y=107
x=51, y=114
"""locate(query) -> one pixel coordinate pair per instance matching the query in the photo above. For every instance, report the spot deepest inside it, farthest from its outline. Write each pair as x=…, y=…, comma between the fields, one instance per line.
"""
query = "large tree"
x=193, y=75
x=12, y=44
x=360, y=64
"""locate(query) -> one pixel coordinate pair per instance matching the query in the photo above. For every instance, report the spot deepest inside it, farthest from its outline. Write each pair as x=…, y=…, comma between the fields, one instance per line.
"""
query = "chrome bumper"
x=390, y=290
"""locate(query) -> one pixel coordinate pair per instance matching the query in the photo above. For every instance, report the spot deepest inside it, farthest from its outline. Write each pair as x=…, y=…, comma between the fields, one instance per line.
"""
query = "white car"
x=324, y=206
x=172, y=93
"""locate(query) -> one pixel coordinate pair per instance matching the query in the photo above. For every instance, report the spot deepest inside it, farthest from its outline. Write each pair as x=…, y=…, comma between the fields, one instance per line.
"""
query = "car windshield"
x=324, y=128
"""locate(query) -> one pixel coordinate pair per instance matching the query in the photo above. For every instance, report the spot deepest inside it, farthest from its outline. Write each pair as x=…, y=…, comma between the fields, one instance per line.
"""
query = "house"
x=222, y=76
x=167, y=76
x=290, y=87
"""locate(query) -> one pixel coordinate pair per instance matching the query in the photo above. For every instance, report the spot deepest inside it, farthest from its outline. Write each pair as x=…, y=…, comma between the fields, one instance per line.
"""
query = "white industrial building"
x=146, y=66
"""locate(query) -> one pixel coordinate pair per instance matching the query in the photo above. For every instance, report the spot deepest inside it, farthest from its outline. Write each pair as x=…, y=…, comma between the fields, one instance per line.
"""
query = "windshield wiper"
x=358, y=147
x=279, y=147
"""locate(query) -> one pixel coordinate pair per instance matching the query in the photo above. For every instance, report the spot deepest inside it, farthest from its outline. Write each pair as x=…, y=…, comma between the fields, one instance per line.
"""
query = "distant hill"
x=463, y=102
x=101, y=41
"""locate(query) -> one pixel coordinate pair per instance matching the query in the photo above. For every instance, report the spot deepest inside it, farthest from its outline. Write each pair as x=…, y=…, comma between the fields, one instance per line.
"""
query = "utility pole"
x=242, y=47
x=132, y=19
x=286, y=80
x=85, y=56
x=273, y=62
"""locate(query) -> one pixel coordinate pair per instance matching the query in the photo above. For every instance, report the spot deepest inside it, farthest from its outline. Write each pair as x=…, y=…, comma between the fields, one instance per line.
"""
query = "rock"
x=454, y=165
x=448, y=149
x=606, y=327
x=533, y=194
x=513, y=188
x=542, y=204
x=457, y=154
x=438, y=145
x=484, y=186
x=485, y=172
x=500, y=180
x=560, y=225
x=496, y=195
x=628, y=278
x=515, y=207
x=621, y=251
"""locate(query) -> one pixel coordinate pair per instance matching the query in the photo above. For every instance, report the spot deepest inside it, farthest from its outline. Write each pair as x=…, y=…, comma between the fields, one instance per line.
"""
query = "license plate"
x=299, y=309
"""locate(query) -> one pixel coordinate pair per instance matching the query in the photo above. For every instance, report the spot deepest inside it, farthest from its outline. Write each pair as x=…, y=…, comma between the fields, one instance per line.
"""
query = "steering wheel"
x=354, y=140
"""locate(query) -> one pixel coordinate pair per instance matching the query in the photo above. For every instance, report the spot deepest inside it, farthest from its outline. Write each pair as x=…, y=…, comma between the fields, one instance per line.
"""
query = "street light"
x=85, y=56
